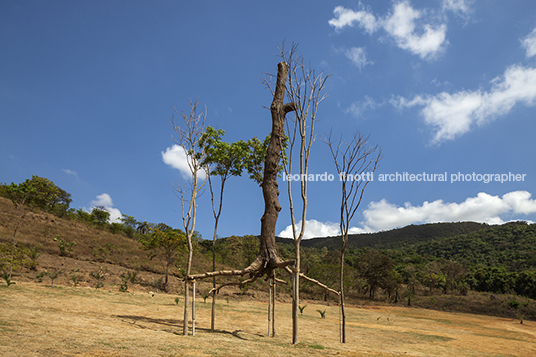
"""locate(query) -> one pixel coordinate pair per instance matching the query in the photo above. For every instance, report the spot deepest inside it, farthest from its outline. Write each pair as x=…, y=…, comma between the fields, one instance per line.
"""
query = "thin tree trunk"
x=193, y=308
x=296, y=295
x=273, y=306
x=343, y=316
x=270, y=288
x=213, y=313
x=186, y=310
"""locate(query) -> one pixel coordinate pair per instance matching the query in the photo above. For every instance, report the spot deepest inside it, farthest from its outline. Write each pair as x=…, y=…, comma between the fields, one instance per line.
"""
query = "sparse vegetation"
x=99, y=276
x=64, y=245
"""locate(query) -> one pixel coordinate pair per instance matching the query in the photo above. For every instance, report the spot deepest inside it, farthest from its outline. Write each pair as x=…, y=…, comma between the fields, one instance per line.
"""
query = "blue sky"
x=87, y=90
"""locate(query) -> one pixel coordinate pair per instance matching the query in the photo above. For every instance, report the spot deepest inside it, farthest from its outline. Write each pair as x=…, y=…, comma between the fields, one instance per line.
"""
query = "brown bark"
x=270, y=188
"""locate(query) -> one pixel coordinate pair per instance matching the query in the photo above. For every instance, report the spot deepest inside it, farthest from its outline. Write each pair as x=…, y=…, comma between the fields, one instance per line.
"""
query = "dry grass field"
x=38, y=320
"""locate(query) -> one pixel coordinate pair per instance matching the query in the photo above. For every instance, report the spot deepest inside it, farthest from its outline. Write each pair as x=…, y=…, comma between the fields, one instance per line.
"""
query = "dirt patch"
x=37, y=320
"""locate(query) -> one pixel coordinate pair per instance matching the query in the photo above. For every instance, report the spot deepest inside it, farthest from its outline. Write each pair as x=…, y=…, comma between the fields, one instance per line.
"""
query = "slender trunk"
x=296, y=294
x=270, y=287
x=343, y=316
x=193, y=308
x=273, y=306
x=213, y=312
x=166, y=276
x=186, y=312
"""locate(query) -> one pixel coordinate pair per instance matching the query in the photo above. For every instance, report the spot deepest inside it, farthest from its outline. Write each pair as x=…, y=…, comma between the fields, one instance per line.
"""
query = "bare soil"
x=38, y=320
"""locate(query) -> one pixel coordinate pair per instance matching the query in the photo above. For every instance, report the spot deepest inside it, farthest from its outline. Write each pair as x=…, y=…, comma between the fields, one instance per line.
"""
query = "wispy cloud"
x=70, y=172
x=414, y=30
x=529, y=43
x=357, y=108
x=452, y=115
x=460, y=8
x=358, y=56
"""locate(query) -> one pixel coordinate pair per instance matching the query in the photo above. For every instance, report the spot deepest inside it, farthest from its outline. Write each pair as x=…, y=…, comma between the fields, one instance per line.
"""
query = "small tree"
x=189, y=135
x=304, y=90
x=223, y=160
x=100, y=216
x=356, y=163
x=167, y=243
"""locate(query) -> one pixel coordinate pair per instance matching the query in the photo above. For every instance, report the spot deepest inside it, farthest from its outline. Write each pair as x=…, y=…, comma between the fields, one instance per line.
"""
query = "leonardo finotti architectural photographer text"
x=407, y=177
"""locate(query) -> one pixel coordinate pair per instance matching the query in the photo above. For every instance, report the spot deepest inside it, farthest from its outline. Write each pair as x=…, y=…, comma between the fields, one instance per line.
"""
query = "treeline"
x=434, y=258
x=42, y=194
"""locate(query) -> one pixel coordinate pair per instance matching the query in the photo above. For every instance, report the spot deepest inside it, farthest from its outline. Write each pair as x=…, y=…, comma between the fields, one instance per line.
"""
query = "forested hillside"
x=395, y=238
x=439, y=266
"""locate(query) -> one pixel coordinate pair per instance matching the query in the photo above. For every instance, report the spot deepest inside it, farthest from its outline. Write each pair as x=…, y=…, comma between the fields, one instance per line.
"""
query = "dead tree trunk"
x=268, y=259
x=270, y=188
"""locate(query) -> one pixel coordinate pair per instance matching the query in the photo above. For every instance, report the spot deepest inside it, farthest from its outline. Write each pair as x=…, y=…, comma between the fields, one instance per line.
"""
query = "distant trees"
x=166, y=243
x=376, y=268
x=39, y=192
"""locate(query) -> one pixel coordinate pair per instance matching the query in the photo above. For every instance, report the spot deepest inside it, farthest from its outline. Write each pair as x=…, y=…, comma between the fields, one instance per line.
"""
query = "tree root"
x=258, y=268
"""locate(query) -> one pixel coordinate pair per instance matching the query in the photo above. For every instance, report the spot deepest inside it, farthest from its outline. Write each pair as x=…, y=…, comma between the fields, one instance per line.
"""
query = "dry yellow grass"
x=37, y=320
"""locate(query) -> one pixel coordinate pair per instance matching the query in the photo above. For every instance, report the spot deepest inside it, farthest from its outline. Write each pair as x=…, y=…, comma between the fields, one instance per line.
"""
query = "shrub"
x=64, y=245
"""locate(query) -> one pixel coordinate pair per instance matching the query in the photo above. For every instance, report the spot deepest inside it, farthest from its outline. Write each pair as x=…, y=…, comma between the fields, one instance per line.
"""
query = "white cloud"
x=461, y=8
x=314, y=228
x=382, y=215
x=409, y=27
x=70, y=172
x=452, y=115
x=176, y=157
x=346, y=17
x=358, y=56
x=529, y=43
x=357, y=108
x=427, y=42
x=105, y=201
x=483, y=208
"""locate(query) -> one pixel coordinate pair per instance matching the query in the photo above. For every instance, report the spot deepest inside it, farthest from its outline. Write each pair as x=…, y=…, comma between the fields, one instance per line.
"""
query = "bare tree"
x=189, y=133
x=356, y=163
x=305, y=89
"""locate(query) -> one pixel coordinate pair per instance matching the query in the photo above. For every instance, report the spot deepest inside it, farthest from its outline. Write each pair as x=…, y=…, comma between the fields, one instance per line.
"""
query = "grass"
x=40, y=320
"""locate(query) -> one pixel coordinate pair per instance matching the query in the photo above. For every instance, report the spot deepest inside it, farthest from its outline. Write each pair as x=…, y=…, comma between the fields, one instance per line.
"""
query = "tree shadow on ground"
x=144, y=323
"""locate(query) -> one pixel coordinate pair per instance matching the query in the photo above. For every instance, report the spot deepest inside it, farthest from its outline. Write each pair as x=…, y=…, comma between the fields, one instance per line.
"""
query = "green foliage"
x=64, y=245
x=100, y=216
x=33, y=252
x=302, y=308
x=75, y=280
x=127, y=277
x=238, y=251
x=254, y=160
x=224, y=159
x=40, y=276
x=53, y=275
x=39, y=192
x=514, y=304
x=376, y=268
x=7, y=280
x=322, y=313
